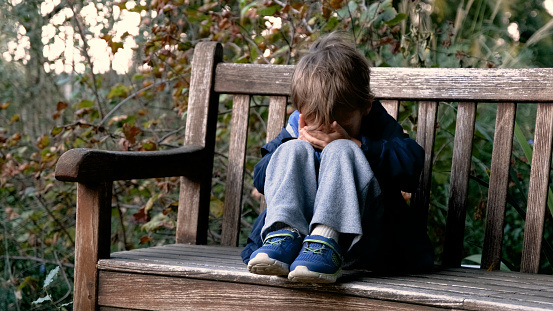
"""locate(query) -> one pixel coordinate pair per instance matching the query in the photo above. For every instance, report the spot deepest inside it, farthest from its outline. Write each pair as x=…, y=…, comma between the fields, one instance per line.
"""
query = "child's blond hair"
x=333, y=78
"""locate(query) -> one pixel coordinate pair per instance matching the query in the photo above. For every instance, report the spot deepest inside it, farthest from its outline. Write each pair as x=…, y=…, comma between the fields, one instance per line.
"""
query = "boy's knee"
x=343, y=148
x=296, y=146
x=341, y=145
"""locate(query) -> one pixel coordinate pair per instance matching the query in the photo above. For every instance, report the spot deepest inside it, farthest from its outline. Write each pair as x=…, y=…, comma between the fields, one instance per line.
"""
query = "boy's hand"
x=321, y=137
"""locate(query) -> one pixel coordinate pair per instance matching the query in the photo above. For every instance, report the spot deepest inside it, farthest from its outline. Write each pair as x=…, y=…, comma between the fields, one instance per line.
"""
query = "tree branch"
x=129, y=98
x=80, y=27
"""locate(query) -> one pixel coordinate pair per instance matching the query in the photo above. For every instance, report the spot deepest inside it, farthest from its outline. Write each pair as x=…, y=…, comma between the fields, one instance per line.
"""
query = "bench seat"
x=212, y=277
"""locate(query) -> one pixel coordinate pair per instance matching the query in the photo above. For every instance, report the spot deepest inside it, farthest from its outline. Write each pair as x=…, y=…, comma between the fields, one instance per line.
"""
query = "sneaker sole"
x=303, y=275
x=263, y=264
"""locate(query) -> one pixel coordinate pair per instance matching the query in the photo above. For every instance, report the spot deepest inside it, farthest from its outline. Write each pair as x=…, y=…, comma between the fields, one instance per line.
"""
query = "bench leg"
x=92, y=241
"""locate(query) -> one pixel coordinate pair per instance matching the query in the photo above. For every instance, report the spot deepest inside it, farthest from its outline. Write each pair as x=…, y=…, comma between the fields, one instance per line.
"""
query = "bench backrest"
x=507, y=87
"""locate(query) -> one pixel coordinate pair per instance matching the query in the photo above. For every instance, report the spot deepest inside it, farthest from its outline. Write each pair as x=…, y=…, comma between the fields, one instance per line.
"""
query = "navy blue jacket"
x=396, y=160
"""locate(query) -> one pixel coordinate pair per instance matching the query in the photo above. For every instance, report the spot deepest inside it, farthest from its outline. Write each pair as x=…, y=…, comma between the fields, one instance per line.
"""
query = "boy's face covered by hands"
x=346, y=126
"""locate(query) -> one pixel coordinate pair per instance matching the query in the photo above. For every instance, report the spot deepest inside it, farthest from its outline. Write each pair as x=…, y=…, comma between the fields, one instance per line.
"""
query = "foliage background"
x=44, y=113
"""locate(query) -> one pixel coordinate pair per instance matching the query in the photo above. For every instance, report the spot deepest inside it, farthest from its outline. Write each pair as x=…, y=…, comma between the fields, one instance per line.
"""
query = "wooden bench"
x=189, y=275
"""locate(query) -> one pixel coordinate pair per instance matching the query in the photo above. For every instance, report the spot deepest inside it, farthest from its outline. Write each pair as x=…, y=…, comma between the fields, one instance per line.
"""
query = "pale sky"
x=62, y=51
x=68, y=58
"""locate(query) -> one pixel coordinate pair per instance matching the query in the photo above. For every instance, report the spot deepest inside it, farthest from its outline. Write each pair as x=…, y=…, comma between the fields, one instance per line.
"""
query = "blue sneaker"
x=320, y=261
x=279, y=250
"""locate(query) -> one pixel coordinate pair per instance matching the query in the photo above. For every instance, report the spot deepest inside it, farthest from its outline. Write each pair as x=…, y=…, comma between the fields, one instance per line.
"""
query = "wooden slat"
x=537, y=190
x=92, y=241
x=458, y=193
x=391, y=106
x=501, y=304
x=230, y=257
x=275, y=122
x=426, y=131
x=176, y=262
x=499, y=181
x=201, y=123
x=485, y=284
x=463, y=84
x=156, y=293
x=277, y=116
x=455, y=286
x=175, y=255
x=214, y=250
x=503, y=276
x=436, y=84
x=235, y=170
x=247, y=78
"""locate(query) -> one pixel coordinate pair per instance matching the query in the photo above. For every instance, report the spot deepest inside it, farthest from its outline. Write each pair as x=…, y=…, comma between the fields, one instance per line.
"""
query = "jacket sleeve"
x=396, y=162
x=267, y=151
x=396, y=159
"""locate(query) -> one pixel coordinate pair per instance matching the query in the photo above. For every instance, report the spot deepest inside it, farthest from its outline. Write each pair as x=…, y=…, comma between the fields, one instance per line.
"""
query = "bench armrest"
x=89, y=165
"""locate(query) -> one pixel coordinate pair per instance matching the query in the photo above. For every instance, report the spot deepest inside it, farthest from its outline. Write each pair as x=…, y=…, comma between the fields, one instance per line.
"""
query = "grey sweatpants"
x=339, y=191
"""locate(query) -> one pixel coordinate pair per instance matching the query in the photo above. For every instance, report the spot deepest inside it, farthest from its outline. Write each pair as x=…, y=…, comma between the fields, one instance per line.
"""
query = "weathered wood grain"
x=194, y=196
x=235, y=170
x=277, y=116
x=507, y=276
x=90, y=166
x=500, y=304
x=275, y=122
x=92, y=241
x=537, y=189
x=176, y=255
x=499, y=181
x=226, y=260
x=463, y=84
x=426, y=131
x=458, y=193
x=156, y=293
x=446, y=288
x=215, y=251
x=484, y=286
x=391, y=106
x=262, y=79
x=433, y=84
x=487, y=283
x=450, y=286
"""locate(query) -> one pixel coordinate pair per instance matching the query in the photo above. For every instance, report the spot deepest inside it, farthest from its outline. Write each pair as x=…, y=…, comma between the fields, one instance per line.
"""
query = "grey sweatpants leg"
x=301, y=192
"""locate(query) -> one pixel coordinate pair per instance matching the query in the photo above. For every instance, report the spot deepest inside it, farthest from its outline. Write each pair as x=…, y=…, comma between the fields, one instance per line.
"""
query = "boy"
x=333, y=177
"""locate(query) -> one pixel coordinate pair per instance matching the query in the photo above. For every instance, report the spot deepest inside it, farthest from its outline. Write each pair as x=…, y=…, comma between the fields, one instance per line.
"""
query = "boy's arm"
x=267, y=151
x=396, y=162
x=396, y=159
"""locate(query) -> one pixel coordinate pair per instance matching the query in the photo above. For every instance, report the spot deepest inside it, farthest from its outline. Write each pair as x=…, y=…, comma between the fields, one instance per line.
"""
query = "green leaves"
x=56, y=130
x=383, y=12
x=268, y=10
x=86, y=104
x=119, y=90
x=396, y=19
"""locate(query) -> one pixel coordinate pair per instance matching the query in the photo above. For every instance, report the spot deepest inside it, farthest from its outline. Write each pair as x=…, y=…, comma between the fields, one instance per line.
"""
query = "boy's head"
x=331, y=82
